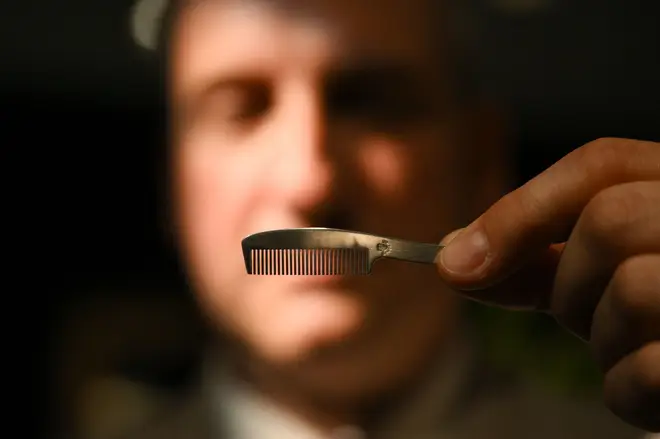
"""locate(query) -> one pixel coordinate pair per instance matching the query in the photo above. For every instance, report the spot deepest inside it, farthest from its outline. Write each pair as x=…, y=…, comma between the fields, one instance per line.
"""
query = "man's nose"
x=305, y=169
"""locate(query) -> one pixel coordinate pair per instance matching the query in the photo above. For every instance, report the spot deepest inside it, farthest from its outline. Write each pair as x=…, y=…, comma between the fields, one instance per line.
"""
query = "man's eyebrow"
x=373, y=69
x=393, y=77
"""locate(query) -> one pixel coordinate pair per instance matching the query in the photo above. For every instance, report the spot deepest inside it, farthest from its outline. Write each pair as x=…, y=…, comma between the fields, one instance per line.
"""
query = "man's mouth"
x=319, y=280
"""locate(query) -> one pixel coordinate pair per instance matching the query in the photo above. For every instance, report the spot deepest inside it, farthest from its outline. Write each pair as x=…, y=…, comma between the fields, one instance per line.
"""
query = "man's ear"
x=490, y=163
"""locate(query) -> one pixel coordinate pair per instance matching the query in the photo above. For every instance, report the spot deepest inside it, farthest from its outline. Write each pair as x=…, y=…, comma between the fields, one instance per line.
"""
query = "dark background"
x=80, y=127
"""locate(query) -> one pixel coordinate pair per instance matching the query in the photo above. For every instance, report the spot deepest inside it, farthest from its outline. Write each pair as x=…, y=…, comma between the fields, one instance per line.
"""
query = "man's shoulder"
x=496, y=404
x=524, y=409
x=187, y=417
x=519, y=412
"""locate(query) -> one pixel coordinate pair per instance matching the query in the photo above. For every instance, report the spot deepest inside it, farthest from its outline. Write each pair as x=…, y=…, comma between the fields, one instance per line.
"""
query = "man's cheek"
x=386, y=168
x=203, y=219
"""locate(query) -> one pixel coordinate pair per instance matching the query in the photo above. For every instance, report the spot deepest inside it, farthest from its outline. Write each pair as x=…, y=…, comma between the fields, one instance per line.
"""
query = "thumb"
x=525, y=286
x=450, y=237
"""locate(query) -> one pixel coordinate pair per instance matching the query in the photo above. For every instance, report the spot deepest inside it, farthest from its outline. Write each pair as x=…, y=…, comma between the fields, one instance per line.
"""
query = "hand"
x=582, y=242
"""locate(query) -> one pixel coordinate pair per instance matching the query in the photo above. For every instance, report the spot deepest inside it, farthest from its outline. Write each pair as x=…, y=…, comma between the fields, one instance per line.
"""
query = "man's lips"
x=321, y=282
x=318, y=279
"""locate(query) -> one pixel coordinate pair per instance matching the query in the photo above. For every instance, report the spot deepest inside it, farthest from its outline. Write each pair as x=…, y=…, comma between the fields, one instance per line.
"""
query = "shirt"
x=242, y=413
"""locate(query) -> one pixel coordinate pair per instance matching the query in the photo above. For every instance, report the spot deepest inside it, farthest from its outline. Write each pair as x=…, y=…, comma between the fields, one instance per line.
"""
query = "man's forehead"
x=219, y=41
x=351, y=25
x=329, y=9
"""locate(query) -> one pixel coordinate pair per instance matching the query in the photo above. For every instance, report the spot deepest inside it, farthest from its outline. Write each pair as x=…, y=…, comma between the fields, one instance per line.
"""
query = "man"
x=352, y=114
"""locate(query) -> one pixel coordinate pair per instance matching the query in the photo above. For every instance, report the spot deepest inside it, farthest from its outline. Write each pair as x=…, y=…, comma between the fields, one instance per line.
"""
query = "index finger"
x=518, y=230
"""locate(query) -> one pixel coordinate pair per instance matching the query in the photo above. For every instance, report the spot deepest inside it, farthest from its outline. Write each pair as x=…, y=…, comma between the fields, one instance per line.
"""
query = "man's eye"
x=241, y=105
x=376, y=101
x=375, y=105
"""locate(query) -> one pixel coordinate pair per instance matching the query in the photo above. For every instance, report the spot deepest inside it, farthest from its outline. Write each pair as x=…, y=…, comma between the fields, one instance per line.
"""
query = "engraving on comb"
x=384, y=247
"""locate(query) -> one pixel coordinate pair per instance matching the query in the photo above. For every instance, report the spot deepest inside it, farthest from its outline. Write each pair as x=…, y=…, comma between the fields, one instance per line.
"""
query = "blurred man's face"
x=336, y=115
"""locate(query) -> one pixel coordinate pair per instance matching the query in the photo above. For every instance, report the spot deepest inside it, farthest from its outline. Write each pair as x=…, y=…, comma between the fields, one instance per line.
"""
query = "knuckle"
x=617, y=159
x=604, y=152
x=645, y=371
x=646, y=363
x=635, y=286
x=601, y=144
x=609, y=214
x=632, y=388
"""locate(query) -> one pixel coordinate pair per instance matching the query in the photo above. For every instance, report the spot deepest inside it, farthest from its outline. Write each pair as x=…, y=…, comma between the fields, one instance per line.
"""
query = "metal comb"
x=322, y=251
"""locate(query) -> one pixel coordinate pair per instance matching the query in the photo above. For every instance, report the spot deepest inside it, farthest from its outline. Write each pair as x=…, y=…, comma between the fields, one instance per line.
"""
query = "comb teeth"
x=349, y=261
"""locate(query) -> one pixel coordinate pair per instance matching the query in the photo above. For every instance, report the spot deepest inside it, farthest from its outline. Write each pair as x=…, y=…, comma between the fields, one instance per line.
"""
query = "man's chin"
x=312, y=323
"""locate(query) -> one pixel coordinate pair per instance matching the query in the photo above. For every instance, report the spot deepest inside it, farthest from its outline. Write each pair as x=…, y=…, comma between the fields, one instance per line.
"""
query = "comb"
x=322, y=251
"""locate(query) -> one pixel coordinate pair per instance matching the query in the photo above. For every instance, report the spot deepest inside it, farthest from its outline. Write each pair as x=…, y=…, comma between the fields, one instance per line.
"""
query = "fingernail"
x=466, y=252
x=449, y=238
